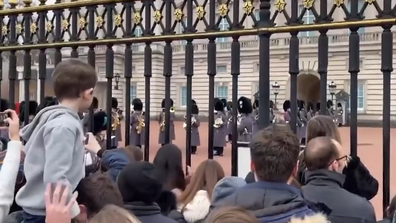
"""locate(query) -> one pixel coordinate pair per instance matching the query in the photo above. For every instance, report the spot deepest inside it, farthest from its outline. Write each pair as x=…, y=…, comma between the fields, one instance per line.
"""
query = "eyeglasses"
x=338, y=159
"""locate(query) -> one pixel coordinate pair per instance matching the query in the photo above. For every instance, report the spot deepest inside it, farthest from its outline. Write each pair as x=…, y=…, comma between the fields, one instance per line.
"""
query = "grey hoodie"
x=54, y=152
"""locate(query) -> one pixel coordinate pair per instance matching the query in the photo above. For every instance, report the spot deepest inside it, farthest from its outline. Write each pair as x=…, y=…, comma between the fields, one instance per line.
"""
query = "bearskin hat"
x=95, y=103
x=229, y=105
x=114, y=103
x=195, y=110
x=193, y=102
x=244, y=105
x=215, y=100
x=218, y=106
x=329, y=103
x=33, y=106
x=48, y=101
x=271, y=104
x=286, y=105
x=339, y=105
x=300, y=104
x=99, y=122
x=318, y=106
x=256, y=104
x=163, y=103
x=5, y=105
x=224, y=101
x=310, y=106
x=137, y=104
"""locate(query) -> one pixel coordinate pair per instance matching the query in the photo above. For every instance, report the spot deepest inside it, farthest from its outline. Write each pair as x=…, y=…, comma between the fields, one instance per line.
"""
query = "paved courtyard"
x=369, y=150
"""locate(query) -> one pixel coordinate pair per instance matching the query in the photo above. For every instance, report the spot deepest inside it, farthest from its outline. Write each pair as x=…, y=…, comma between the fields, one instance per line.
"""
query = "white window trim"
x=227, y=26
x=221, y=65
x=180, y=96
x=306, y=18
x=221, y=84
x=359, y=110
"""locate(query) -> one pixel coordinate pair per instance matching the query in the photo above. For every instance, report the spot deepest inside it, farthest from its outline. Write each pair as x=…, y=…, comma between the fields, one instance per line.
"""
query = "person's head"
x=324, y=153
x=134, y=152
x=74, y=82
x=316, y=218
x=94, y=193
x=390, y=210
x=140, y=181
x=112, y=213
x=226, y=187
x=231, y=214
x=169, y=161
x=99, y=125
x=208, y=173
x=322, y=125
x=274, y=154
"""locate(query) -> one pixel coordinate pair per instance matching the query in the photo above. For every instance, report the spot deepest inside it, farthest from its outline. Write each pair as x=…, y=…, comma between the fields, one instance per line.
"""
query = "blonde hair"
x=316, y=218
x=322, y=125
x=231, y=214
x=112, y=213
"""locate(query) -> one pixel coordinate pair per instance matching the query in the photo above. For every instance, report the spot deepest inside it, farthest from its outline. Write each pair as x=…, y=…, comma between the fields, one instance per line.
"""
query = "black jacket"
x=324, y=186
x=147, y=213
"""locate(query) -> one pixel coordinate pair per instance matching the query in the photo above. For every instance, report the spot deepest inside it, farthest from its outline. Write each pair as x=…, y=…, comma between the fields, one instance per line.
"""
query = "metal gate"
x=28, y=32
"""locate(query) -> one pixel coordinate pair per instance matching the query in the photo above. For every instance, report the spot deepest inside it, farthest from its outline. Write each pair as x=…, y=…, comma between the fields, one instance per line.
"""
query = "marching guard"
x=303, y=117
x=137, y=124
x=220, y=128
x=256, y=126
x=116, y=122
x=195, y=122
x=229, y=121
x=340, y=114
x=245, y=121
x=161, y=121
x=287, y=115
x=33, y=105
x=310, y=112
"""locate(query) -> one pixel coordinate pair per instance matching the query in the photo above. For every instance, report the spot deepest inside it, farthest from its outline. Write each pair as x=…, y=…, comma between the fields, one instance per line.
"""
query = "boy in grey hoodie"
x=55, y=140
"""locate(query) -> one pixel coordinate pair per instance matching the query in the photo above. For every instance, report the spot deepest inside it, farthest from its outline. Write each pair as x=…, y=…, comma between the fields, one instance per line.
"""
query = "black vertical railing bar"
x=91, y=54
x=148, y=73
x=27, y=62
x=74, y=29
x=128, y=69
x=58, y=33
x=387, y=69
x=12, y=75
x=323, y=56
x=109, y=55
x=168, y=68
x=189, y=72
x=1, y=55
x=235, y=72
x=42, y=63
x=211, y=73
x=353, y=69
x=294, y=69
x=264, y=60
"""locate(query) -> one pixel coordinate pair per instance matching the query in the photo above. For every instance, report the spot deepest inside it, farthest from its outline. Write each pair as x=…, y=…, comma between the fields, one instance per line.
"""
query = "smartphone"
x=3, y=118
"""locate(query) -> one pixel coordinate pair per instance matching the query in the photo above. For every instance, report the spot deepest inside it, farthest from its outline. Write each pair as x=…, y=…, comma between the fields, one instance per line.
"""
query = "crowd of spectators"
x=319, y=184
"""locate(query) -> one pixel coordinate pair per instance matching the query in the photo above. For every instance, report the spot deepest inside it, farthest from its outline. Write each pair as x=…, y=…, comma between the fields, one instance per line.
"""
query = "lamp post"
x=275, y=89
x=332, y=89
x=117, y=80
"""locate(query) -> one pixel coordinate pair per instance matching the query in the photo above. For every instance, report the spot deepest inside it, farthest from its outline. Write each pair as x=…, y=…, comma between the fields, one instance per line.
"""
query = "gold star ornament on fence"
x=18, y=29
x=178, y=14
x=4, y=30
x=33, y=27
x=81, y=23
x=370, y=2
x=99, y=21
x=223, y=10
x=248, y=7
x=65, y=25
x=137, y=18
x=308, y=3
x=49, y=26
x=118, y=20
x=338, y=3
x=157, y=16
x=200, y=12
x=280, y=5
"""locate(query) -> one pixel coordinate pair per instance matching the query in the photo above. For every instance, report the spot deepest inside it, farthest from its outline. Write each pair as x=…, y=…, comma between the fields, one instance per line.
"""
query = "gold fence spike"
x=1, y=4
x=27, y=2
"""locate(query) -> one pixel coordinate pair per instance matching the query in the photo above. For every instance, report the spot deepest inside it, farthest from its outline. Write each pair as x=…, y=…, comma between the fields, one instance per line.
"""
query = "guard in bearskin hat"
x=32, y=109
x=245, y=121
x=86, y=117
x=229, y=121
x=255, y=115
x=195, y=122
x=161, y=121
x=287, y=113
x=92, y=161
x=116, y=120
x=317, y=108
x=137, y=124
x=220, y=128
x=310, y=110
x=303, y=117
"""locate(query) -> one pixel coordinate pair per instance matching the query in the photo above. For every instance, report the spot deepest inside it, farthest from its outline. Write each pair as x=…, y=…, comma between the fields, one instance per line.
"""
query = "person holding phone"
x=10, y=164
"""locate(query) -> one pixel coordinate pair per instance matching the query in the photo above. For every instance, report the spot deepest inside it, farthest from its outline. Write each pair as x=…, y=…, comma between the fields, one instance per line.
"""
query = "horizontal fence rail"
x=36, y=34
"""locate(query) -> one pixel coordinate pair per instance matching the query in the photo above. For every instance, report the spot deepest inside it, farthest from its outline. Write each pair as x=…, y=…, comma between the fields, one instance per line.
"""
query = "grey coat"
x=310, y=114
x=288, y=118
x=136, y=139
x=304, y=121
x=229, y=123
x=245, y=128
x=221, y=132
x=256, y=126
x=195, y=138
x=340, y=116
x=161, y=136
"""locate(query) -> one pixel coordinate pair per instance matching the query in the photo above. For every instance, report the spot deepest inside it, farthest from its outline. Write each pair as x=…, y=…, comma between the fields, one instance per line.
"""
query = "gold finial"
x=308, y=3
x=27, y=2
x=33, y=28
x=99, y=21
x=280, y=5
x=157, y=16
x=117, y=20
x=81, y=23
x=200, y=12
x=4, y=30
x=137, y=18
x=178, y=14
x=18, y=29
x=1, y=3
x=370, y=2
x=13, y=2
x=49, y=26
x=223, y=10
x=248, y=7
x=65, y=25
x=338, y=3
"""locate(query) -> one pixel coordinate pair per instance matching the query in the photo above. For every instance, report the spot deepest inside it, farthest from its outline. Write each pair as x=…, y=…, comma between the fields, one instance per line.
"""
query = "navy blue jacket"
x=114, y=161
x=270, y=202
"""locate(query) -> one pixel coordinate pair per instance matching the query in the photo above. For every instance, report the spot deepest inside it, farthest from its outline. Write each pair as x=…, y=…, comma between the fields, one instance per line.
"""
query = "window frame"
x=181, y=97
x=217, y=88
x=222, y=25
x=306, y=19
x=361, y=94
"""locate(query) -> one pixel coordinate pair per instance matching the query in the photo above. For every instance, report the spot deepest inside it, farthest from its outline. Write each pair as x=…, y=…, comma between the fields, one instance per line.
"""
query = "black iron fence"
x=29, y=31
